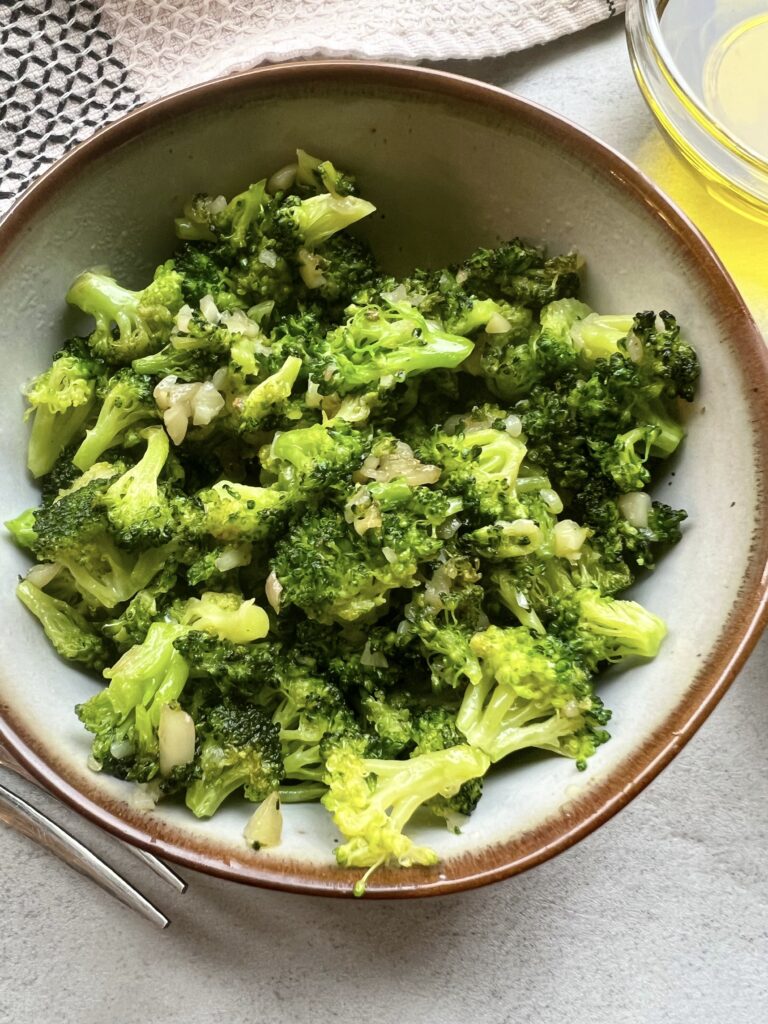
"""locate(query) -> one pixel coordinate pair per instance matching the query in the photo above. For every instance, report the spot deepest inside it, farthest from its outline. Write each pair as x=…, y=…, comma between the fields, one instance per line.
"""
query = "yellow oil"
x=721, y=49
x=735, y=83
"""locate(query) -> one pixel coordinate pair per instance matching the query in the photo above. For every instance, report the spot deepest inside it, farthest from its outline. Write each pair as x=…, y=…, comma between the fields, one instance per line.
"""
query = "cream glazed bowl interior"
x=451, y=164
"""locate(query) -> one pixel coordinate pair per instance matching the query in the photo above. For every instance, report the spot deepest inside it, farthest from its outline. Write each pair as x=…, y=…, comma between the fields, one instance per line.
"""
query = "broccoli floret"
x=615, y=538
x=309, y=709
x=618, y=396
x=71, y=634
x=533, y=693
x=480, y=465
x=379, y=346
x=513, y=361
x=137, y=505
x=372, y=800
x=663, y=527
x=528, y=587
x=73, y=531
x=502, y=539
x=239, y=667
x=265, y=275
x=521, y=274
x=438, y=296
x=194, y=353
x=447, y=651
x=435, y=729
x=581, y=426
x=606, y=629
x=555, y=439
x=390, y=721
x=185, y=364
x=132, y=624
x=268, y=399
x=318, y=457
x=238, y=513
x=127, y=402
x=310, y=222
x=125, y=716
x=340, y=269
x=321, y=176
x=61, y=476
x=248, y=244
x=240, y=749
x=61, y=400
x=336, y=574
x=328, y=571
x=215, y=563
x=203, y=274
x=666, y=358
x=208, y=218
x=256, y=236
x=624, y=461
x=142, y=321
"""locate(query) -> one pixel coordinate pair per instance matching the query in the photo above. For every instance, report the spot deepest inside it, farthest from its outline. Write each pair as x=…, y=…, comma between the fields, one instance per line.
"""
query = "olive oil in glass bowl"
x=702, y=66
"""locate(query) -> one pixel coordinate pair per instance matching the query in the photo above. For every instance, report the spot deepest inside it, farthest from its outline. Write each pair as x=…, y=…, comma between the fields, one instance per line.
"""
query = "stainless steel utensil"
x=27, y=820
x=159, y=867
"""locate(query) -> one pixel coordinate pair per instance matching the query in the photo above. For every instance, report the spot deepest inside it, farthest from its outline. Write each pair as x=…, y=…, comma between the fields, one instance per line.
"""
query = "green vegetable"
x=334, y=535
x=128, y=324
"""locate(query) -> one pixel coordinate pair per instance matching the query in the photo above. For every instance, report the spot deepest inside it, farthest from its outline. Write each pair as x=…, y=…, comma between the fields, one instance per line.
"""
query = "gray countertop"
x=660, y=917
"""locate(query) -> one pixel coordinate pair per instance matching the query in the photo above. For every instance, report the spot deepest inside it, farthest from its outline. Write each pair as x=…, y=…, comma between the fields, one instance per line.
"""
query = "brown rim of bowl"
x=713, y=678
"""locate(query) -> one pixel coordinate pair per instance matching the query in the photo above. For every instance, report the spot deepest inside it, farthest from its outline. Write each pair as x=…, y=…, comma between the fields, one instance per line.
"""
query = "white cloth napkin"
x=169, y=44
x=67, y=67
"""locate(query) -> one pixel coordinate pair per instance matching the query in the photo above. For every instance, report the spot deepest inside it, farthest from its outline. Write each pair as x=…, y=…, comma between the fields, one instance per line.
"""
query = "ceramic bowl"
x=451, y=164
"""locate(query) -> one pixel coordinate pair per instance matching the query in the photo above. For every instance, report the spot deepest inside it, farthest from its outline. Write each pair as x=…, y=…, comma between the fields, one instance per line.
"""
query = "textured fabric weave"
x=173, y=43
x=67, y=67
x=59, y=81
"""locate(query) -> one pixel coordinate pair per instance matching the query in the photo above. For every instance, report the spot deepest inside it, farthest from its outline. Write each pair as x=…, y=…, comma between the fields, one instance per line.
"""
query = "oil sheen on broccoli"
x=342, y=536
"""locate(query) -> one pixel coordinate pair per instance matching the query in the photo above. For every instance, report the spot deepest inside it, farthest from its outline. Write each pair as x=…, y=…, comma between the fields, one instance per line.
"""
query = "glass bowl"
x=681, y=51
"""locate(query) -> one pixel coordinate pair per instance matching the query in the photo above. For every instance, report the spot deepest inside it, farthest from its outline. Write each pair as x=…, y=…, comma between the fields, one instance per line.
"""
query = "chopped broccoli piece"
x=240, y=749
x=533, y=693
x=128, y=324
x=138, y=510
x=61, y=399
x=372, y=801
x=127, y=402
x=378, y=346
x=68, y=630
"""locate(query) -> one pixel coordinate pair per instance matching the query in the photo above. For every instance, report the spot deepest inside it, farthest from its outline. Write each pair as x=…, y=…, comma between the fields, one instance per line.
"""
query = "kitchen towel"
x=67, y=67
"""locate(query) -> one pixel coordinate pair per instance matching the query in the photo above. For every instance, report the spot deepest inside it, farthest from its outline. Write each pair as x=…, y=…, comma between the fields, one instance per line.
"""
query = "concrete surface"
x=658, y=918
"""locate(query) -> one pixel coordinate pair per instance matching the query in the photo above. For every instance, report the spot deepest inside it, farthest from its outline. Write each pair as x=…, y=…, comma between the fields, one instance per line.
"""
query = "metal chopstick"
x=159, y=867
x=27, y=820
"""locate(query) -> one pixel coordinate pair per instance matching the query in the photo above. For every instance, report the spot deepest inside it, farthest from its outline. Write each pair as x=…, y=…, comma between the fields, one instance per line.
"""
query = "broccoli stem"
x=105, y=300
x=141, y=672
x=302, y=793
x=541, y=735
x=51, y=433
x=69, y=632
x=123, y=407
x=305, y=763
